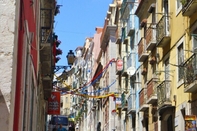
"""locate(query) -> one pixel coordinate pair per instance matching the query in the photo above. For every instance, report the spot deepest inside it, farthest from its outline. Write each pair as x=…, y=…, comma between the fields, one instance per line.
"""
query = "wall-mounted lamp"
x=70, y=57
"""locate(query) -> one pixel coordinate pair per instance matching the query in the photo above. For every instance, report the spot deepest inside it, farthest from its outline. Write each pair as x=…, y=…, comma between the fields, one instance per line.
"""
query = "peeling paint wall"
x=8, y=54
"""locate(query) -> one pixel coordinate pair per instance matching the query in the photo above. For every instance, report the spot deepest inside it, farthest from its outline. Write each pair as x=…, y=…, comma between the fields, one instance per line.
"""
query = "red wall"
x=26, y=13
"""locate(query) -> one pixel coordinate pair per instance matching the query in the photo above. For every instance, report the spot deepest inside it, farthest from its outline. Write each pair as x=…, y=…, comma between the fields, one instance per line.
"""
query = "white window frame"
x=178, y=9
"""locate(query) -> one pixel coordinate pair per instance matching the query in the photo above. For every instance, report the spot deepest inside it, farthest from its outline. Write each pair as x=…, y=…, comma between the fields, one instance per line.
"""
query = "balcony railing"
x=131, y=103
x=164, y=93
x=190, y=74
x=142, y=97
x=46, y=42
x=130, y=25
x=163, y=31
x=124, y=71
x=46, y=25
x=124, y=8
x=118, y=34
x=151, y=37
x=104, y=33
x=152, y=91
x=189, y=7
x=142, y=53
x=124, y=102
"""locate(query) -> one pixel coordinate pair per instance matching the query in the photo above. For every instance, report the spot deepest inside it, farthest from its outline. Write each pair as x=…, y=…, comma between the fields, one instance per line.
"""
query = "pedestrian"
x=55, y=128
x=61, y=128
x=99, y=126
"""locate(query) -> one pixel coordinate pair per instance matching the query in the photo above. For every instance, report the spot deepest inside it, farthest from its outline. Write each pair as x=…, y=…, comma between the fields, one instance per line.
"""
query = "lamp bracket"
x=57, y=68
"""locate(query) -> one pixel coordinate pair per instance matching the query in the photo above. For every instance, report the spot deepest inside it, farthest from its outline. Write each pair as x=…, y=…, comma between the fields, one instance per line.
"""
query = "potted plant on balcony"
x=152, y=60
x=57, y=10
x=58, y=42
x=144, y=71
x=183, y=2
x=58, y=51
x=57, y=59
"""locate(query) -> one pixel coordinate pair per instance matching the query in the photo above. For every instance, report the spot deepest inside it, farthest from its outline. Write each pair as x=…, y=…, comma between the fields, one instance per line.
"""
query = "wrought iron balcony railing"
x=151, y=37
x=46, y=25
x=124, y=71
x=190, y=74
x=118, y=34
x=152, y=91
x=130, y=25
x=124, y=7
x=163, y=31
x=142, y=53
x=164, y=93
x=124, y=102
x=189, y=7
x=143, y=98
x=131, y=103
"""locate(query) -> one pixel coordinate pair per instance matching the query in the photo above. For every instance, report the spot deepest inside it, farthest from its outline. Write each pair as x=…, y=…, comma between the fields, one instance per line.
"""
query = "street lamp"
x=70, y=59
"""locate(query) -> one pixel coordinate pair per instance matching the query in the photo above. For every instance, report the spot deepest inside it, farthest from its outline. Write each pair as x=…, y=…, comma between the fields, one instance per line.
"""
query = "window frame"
x=179, y=43
x=178, y=9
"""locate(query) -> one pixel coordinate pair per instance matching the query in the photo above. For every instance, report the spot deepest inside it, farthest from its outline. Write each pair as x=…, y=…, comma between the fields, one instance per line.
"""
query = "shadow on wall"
x=4, y=115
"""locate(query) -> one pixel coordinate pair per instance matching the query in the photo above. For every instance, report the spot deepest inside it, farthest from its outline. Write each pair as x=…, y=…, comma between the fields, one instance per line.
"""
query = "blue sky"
x=76, y=21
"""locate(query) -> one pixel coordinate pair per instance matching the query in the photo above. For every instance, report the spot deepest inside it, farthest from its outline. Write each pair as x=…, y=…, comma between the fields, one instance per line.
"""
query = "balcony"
x=74, y=85
x=152, y=60
x=46, y=45
x=130, y=25
x=142, y=53
x=152, y=91
x=124, y=103
x=107, y=31
x=125, y=9
x=189, y=7
x=124, y=71
x=143, y=6
x=190, y=75
x=118, y=34
x=164, y=94
x=131, y=104
x=151, y=37
x=142, y=97
x=163, y=31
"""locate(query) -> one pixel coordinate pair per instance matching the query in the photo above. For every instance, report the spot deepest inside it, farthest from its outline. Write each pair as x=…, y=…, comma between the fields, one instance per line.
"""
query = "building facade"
x=26, y=85
x=155, y=90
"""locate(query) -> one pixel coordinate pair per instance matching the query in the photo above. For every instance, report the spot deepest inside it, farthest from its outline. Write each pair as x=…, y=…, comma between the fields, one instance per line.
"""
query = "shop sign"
x=190, y=123
x=54, y=103
x=119, y=65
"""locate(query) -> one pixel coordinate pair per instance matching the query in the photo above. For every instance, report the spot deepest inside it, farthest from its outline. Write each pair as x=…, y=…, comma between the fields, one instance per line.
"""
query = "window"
x=180, y=61
x=194, y=38
x=178, y=6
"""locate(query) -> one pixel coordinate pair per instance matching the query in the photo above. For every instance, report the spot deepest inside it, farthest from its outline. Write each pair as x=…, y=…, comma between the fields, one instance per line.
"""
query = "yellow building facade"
x=166, y=51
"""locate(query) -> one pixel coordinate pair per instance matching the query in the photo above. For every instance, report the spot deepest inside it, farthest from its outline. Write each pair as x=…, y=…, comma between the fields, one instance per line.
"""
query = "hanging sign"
x=119, y=65
x=54, y=103
x=190, y=123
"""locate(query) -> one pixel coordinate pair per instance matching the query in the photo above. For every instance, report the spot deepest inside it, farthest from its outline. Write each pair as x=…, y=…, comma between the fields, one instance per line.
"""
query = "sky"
x=76, y=21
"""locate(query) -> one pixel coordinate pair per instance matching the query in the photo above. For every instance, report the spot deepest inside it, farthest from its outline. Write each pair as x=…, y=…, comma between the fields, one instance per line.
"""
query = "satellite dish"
x=131, y=71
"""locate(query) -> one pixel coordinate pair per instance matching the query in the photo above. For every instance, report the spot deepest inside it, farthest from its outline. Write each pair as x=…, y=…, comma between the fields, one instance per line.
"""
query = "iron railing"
x=163, y=28
x=164, y=92
x=190, y=70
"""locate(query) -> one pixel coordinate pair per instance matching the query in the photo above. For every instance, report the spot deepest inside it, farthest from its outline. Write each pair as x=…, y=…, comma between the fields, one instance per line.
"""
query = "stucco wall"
x=8, y=36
